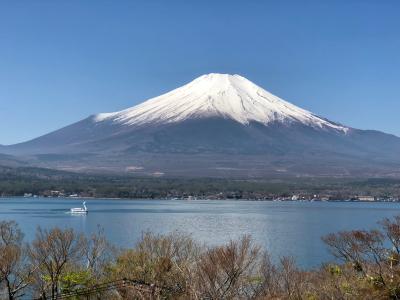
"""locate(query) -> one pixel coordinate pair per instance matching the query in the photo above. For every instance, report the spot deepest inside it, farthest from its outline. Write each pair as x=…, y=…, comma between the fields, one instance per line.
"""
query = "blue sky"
x=61, y=61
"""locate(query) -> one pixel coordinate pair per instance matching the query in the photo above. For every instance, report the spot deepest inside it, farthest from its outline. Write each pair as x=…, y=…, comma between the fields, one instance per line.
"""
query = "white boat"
x=80, y=210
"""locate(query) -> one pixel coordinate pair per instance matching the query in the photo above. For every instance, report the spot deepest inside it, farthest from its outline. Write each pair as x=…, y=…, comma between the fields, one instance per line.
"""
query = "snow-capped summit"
x=218, y=95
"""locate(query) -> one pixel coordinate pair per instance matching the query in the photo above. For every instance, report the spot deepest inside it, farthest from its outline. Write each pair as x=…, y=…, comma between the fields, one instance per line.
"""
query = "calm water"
x=283, y=228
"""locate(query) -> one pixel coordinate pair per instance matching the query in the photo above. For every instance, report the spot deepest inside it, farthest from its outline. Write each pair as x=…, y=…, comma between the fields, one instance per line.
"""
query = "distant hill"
x=9, y=160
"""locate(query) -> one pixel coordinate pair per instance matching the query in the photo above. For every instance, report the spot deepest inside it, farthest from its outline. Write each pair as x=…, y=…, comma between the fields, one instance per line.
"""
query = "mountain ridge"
x=216, y=125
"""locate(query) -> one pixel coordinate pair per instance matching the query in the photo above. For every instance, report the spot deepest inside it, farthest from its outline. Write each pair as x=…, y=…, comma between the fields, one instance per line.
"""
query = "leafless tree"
x=268, y=272
x=391, y=229
x=15, y=272
x=98, y=253
x=369, y=256
x=51, y=251
x=360, y=247
x=165, y=261
x=293, y=282
x=227, y=272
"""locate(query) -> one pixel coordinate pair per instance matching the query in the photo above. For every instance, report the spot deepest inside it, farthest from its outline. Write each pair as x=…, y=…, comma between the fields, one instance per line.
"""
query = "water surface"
x=283, y=228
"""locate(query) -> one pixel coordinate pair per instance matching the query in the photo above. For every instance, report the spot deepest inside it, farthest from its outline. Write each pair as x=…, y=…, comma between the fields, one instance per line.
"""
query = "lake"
x=283, y=228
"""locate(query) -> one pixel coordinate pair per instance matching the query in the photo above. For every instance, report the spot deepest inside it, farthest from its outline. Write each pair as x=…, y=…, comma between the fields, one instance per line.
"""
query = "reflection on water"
x=292, y=228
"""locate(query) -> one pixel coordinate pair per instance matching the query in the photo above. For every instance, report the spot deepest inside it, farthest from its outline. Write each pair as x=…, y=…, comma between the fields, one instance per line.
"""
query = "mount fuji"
x=217, y=125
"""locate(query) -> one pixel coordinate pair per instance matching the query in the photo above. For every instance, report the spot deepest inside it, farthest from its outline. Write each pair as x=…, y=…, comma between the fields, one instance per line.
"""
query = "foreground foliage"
x=61, y=262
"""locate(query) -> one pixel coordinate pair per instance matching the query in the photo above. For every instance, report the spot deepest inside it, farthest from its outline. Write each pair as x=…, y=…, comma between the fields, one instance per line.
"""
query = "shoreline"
x=202, y=199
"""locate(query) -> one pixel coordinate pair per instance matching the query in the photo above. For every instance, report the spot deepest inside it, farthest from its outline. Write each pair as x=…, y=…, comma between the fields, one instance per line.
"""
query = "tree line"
x=17, y=184
x=61, y=262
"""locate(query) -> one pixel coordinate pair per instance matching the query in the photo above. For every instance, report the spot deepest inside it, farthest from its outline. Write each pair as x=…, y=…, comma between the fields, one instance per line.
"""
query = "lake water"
x=283, y=228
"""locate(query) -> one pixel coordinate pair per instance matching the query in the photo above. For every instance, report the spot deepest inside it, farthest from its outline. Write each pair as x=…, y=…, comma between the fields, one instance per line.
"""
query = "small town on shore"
x=232, y=196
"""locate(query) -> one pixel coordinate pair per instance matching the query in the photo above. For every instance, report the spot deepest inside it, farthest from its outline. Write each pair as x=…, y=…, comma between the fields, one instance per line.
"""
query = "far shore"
x=200, y=199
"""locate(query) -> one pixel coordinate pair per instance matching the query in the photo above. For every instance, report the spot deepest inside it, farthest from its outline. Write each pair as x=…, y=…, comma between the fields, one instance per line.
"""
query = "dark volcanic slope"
x=216, y=147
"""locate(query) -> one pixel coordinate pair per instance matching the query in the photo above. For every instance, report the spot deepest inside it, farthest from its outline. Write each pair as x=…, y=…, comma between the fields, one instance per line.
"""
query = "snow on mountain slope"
x=218, y=95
